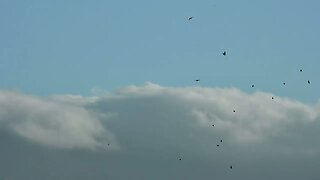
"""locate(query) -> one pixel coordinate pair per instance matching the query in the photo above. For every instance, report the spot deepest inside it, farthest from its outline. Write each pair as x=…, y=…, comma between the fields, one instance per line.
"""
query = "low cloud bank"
x=150, y=117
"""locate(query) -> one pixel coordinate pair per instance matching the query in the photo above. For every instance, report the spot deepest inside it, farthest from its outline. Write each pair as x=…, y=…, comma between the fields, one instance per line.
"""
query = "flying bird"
x=179, y=156
x=190, y=18
x=224, y=53
x=212, y=125
x=234, y=110
x=221, y=140
x=284, y=83
x=272, y=98
x=197, y=80
x=252, y=85
x=230, y=167
x=300, y=70
x=218, y=145
x=308, y=82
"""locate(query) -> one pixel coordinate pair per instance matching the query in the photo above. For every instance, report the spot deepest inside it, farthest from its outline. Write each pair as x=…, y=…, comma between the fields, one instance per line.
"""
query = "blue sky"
x=70, y=47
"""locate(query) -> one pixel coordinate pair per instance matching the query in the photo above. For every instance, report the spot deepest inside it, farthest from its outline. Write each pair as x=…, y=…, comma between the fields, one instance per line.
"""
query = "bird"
x=284, y=83
x=234, y=110
x=179, y=159
x=308, y=81
x=218, y=145
x=212, y=125
x=108, y=144
x=300, y=70
x=272, y=98
x=224, y=53
x=221, y=140
x=190, y=18
x=252, y=85
x=230, y=167
x=197, y=80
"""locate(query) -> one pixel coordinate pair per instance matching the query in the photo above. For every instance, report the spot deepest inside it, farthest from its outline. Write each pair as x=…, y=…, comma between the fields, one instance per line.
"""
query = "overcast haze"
x=107, y=90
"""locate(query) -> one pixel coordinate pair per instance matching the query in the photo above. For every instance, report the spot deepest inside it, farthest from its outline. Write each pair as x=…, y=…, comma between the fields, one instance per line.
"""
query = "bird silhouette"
x=230, y=167
x=308, y=82
x=212, y=125
x=300, y=70
x=197, y=80
x=179, y=159
x=224, y=53
x=252, y=85
x=218, y=145
x=272, y=98
x=190, y=18
x=284, y=83
x=234, y=110
x=221, y=140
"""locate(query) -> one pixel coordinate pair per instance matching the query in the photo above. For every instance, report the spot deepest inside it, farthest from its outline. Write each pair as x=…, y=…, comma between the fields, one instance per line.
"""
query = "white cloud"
x=73, y=121
x=150, y=126
x=257, y=117
x=55, y=121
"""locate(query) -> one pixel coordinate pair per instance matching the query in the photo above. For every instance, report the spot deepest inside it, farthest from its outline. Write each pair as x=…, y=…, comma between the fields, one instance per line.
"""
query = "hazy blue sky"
x=76, y=76
x=70, y=47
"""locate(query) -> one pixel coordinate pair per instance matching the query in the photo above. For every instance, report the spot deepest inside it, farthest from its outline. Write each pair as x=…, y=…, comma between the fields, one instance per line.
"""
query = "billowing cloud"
x=52, y=121
x=240, y=118
x=151, y=126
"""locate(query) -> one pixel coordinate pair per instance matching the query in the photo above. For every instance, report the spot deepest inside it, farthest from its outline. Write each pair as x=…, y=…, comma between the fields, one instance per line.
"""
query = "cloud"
x=150, y=126
x=59, y=121
x=73, y=121
x=258, y=119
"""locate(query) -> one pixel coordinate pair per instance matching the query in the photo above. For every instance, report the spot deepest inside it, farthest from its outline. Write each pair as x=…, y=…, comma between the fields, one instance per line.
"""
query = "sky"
x=106, y=89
